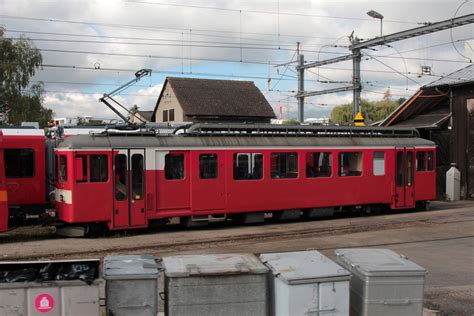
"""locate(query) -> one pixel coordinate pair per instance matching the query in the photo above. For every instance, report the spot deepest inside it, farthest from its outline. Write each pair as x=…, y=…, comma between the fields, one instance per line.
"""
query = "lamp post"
x=376, y=15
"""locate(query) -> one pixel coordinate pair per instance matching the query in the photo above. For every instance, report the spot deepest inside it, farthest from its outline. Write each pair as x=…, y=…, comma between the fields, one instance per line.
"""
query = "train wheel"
x=94, y=230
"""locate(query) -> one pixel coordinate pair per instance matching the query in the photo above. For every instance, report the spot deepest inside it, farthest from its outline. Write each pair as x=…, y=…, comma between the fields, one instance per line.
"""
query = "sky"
x=91, y=47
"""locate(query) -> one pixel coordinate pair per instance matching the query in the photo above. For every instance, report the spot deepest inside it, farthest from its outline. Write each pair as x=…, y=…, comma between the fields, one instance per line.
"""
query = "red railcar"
x=25, y=167
x=3, y=191
x=128, y=180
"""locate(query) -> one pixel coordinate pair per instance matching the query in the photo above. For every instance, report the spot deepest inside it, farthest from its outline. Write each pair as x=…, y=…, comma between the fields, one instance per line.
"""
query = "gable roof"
x=427, y=107
x=461, y=76
x=213, y=98
x=145, y=114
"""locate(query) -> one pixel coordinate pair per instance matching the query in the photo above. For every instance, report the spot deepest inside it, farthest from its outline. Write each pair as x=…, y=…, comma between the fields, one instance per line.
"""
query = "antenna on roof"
x=108, y=96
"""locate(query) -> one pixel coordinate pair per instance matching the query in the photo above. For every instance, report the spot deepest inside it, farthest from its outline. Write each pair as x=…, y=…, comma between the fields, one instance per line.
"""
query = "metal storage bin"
x=307, y=283
x=46, y=295
x=225, y=284
x=131, y=285
x=383, y=282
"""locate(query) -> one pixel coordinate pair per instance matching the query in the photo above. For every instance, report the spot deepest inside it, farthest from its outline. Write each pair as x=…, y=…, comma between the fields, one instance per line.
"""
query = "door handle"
x=143, y=210
x=116, y=212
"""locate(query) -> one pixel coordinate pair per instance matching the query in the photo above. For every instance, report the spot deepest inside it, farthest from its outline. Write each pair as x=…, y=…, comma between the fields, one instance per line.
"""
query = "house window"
x=99, y=168
x=165, y=116
x=421, y=161
x=284, y=165
x=208, y=166
x=248, y=166
x=171, y=115
x=174, y=166
x=19, y=163
x=318, y=164
x=379, y=163
x=350, y=164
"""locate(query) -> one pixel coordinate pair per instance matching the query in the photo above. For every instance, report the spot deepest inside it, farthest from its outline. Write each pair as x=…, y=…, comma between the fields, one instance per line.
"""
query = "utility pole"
x=356, y=47
x=356, y=85
x=300, y=95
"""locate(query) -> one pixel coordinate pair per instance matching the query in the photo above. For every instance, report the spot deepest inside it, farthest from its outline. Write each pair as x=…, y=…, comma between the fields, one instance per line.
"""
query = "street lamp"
x=376, y=15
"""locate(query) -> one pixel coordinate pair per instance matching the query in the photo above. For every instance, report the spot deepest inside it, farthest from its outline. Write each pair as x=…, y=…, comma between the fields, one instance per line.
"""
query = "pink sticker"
x=44, y=303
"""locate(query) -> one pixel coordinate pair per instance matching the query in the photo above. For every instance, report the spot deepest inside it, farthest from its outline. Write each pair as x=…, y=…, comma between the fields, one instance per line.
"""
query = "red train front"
x=126, y=180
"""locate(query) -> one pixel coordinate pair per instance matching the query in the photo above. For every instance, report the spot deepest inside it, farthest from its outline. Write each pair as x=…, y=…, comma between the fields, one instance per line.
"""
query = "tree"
x=29, y=107
x=19, y=61
x=372, y=111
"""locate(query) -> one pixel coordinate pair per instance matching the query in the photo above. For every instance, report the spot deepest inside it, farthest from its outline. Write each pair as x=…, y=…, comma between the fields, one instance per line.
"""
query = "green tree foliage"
x=372, y=111
x=28, y=107
x=19, y=61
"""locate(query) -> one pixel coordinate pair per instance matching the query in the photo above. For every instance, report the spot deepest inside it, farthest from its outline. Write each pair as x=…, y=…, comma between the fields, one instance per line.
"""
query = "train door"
x=129, y=188
x=404, y=178
x=208, y=181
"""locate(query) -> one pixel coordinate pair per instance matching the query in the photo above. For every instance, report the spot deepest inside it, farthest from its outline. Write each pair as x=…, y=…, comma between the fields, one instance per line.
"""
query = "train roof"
x=186, y=141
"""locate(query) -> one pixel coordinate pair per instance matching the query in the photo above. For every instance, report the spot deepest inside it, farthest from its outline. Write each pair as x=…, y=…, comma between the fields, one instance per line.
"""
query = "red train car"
x=25, y=166
x=3, y=191
x=128, y=180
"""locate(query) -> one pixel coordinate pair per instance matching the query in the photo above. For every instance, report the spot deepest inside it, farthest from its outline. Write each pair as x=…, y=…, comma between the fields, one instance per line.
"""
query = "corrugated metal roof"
x=461, y=76
x=131, y=141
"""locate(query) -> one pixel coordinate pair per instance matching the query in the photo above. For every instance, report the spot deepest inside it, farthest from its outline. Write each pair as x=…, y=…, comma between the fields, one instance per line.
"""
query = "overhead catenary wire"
x=278, y=12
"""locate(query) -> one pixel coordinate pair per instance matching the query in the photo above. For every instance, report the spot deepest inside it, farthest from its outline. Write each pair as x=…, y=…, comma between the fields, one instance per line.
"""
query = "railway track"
x=170, y=240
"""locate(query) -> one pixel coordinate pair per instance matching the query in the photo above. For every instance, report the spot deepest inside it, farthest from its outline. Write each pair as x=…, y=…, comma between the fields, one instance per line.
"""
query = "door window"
x=121, y=191
x=137, y=176
x=208, y=166
x=409, y=169
x=400, y=169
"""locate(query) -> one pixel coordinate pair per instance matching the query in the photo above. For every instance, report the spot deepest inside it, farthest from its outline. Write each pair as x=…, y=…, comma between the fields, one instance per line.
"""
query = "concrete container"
x=131, y=285
x=383, y=282
x=453, y=184
x=307, y=283
x=54, y=297
x=224, y=284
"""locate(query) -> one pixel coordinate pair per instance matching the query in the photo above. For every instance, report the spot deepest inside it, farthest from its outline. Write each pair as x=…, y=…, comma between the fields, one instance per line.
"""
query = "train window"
x=248, y=166
x=208, y=166
x=318, y=164
x=409, y=169
x=81, y=168
x=174, y=166
x=121, y=191
x=99, y=168
x=350, y=164
x=379, y=163
x=284, y=165
x=430, y=161
x=19, y=162
x=421, y=161
x=137, y=176
x=63, y=168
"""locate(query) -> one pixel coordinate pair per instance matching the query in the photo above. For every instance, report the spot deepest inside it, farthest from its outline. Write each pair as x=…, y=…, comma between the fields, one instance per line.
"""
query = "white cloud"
x=176, y=25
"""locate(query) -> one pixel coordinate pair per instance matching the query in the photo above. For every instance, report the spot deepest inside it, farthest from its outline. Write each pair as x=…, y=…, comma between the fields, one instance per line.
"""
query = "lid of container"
x=130, y=267
x=377, y=261
x=304, y=267
x=218, y=264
